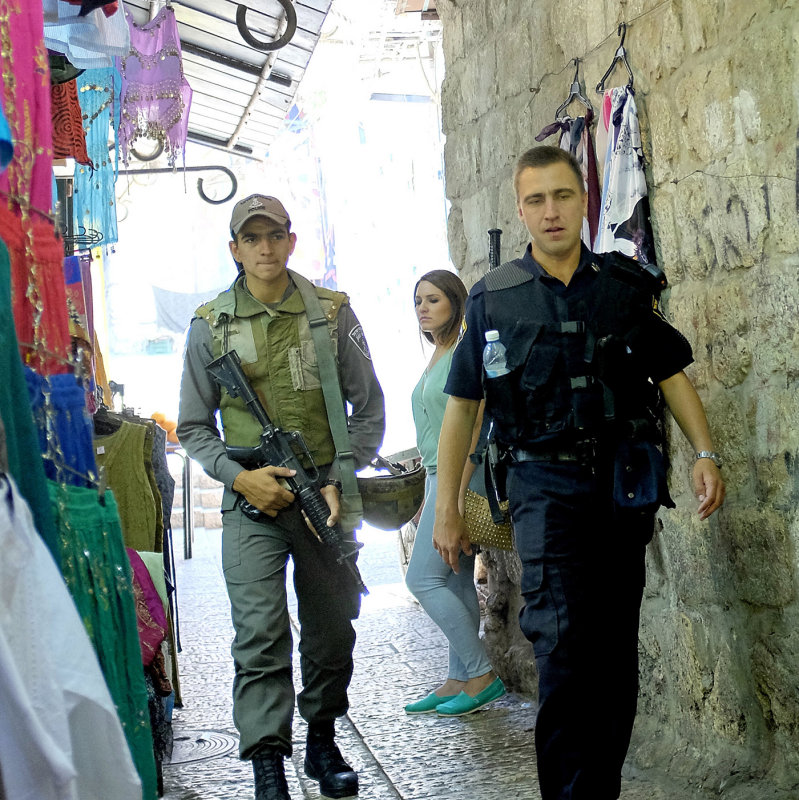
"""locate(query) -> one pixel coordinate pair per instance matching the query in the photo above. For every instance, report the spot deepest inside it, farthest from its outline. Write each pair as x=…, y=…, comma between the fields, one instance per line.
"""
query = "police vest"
x=553, y=391
x=279, y=359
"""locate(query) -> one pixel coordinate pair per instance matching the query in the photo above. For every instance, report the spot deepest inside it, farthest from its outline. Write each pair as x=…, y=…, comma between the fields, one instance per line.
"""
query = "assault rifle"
x=281, y=449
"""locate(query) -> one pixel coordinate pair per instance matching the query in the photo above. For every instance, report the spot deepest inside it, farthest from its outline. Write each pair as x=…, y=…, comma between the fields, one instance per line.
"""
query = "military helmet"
x=392, y=498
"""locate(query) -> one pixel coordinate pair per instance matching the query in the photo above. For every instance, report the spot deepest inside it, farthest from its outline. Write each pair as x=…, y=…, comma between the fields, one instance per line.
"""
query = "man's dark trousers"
x=582, y=583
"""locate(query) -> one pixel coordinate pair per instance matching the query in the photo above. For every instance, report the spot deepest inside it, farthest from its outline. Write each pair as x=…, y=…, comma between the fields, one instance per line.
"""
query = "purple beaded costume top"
x=155, y=96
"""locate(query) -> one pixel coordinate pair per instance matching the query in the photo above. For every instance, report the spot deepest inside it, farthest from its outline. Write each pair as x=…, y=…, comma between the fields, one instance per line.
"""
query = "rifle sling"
x=331, y=390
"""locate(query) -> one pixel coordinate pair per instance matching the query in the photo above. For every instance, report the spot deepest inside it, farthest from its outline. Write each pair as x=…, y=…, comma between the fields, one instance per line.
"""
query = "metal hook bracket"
x=234, y=184
x=276, y=44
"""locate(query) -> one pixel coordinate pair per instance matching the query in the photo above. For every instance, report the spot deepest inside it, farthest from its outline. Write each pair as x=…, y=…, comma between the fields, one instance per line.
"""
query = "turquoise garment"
x=22, y=439
x=6, y=143
x=428, y=402
x=94, y=201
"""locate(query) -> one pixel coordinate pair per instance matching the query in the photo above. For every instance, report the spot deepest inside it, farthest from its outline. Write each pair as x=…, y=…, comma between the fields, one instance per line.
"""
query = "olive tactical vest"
x=279, y=359
x=552, y=391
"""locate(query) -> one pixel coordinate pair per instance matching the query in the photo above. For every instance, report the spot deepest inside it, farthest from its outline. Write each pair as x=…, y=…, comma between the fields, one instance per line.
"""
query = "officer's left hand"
x=708, y=487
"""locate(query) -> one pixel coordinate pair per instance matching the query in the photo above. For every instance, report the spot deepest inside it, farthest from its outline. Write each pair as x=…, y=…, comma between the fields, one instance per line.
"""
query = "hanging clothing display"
x=26, y=226
x=65, y=428
x=155, y=95
x=60, y=734
x=22, y=442
x=624, y=222
x=126, y=456
x=69, y=140
x=99, y=578
x=94, y=194
x=90, y=40
x=575, y=136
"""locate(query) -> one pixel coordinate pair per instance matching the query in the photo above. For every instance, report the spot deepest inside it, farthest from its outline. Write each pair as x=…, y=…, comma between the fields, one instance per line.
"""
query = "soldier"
x=576, y=424
x=263, y=317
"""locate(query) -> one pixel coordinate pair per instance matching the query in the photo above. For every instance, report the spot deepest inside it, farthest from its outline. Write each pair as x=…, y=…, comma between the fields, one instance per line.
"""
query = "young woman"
x=449, y=598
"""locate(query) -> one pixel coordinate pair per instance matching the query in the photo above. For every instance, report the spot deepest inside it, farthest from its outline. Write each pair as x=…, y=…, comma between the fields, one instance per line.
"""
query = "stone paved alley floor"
x=399, y=657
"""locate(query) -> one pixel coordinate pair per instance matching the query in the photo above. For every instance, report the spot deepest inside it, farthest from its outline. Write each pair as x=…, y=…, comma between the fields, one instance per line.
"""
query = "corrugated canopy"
x=240, y=94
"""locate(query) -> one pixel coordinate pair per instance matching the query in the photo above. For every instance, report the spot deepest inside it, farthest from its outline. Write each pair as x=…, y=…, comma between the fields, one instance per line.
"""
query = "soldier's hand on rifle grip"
x=261, y=488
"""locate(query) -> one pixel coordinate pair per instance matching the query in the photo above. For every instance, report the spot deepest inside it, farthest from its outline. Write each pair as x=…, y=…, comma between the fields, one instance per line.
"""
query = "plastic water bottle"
x=494, y=356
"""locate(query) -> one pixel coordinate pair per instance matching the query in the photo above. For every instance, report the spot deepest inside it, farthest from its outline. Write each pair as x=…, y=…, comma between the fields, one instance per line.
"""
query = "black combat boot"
x=324, y=763
x=270, y=778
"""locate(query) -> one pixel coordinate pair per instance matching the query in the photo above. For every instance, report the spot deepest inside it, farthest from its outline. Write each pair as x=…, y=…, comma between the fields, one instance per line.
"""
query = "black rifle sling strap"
x=334, y=401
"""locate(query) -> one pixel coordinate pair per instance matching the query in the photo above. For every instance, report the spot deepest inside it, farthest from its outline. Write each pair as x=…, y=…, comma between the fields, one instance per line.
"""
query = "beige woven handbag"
x=481, y=526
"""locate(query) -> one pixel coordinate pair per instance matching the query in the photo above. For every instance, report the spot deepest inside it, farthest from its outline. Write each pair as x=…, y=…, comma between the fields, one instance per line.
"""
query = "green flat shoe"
x=427, y=704
x=463, y=704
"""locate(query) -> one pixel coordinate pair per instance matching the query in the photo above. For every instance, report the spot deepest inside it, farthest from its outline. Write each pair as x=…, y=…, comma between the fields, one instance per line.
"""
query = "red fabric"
x=37, y=282
x=69, y=138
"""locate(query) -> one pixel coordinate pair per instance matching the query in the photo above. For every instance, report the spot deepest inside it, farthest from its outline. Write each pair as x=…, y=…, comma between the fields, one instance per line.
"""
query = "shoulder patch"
x=656, y=309
x=359, y=340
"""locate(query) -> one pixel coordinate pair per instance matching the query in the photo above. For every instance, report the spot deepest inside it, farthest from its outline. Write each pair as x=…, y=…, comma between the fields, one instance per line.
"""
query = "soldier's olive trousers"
x=582, y=582
x=254, y=559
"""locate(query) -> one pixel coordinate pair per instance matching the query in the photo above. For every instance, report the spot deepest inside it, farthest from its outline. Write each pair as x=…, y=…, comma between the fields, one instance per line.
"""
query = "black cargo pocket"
x=538, y=619
x=537, y=386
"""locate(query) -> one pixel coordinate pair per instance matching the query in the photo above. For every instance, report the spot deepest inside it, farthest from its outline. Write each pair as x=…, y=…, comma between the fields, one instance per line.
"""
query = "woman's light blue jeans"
x=450, y=599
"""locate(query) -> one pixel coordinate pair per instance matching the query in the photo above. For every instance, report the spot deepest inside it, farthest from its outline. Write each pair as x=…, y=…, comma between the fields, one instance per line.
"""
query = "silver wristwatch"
x=713, y=456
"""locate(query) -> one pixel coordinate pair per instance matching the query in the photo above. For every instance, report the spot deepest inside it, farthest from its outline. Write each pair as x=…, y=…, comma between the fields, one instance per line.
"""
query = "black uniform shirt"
x=667, y=351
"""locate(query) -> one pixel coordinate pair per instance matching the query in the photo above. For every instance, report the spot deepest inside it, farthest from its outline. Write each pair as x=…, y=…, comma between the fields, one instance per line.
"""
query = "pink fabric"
x=155, y=96
x=25, y=93
x=150, y=615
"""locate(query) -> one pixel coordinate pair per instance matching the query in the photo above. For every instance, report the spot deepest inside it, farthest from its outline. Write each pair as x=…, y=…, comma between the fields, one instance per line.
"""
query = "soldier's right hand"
x=261, y=488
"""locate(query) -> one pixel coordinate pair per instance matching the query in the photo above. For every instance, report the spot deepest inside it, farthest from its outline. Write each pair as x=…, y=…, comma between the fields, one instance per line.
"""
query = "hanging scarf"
x=575, y=136
x=624, y=223
x=94, y=199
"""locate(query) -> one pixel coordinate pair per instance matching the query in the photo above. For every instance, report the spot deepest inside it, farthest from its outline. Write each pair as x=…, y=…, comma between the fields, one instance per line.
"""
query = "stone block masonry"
x=716, y=89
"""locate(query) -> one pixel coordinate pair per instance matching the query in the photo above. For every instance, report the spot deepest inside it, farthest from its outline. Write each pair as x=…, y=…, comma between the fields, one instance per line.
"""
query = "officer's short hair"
x=452, y=286
x=544, y=156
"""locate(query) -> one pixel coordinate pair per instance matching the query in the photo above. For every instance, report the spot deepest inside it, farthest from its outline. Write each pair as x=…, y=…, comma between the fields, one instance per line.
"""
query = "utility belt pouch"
x=639, y=477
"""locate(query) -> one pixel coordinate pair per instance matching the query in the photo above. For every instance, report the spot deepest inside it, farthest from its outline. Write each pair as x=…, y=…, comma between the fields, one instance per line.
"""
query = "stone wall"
x=717, y=88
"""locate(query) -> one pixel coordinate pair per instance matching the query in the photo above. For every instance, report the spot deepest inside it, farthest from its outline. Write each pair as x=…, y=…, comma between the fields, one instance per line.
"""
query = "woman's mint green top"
x=428, y=402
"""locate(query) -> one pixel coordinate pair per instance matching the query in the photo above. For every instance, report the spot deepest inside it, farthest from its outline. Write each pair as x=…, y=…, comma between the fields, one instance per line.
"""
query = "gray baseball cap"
x=258, y=205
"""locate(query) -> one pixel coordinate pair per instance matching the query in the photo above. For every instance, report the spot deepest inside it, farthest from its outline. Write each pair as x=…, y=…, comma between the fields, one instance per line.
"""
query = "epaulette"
x=506, y=276
x=649, y=278
x=335, y=299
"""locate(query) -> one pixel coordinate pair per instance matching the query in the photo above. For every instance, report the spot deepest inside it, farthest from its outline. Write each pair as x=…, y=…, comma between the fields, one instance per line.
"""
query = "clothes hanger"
x=575, y=92
x=619, y=55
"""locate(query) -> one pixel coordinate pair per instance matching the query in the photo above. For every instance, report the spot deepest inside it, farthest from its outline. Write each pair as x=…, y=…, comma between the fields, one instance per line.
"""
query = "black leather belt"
x=552, y=456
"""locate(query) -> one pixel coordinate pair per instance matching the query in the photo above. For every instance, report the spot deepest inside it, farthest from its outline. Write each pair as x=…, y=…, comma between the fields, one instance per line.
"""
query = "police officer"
x=576, y=424
x=263, y=317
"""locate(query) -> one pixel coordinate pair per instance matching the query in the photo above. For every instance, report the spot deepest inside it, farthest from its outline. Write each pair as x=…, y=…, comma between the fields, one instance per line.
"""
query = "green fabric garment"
x=22, y=440
x=155, y=566
x=125, y=457
x=99, y=577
